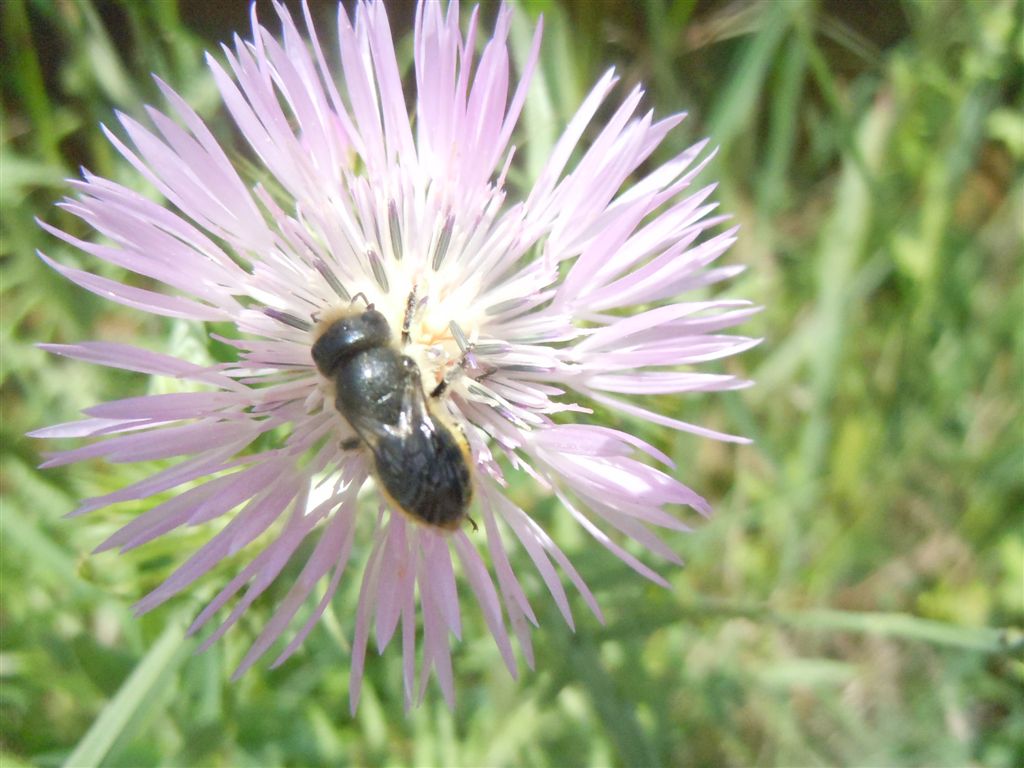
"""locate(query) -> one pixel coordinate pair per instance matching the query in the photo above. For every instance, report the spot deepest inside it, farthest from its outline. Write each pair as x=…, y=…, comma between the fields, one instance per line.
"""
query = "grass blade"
x=144, y=682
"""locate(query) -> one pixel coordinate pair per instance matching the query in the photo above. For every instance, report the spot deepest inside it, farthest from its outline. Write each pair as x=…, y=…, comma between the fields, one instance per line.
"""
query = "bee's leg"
x=449, y=377
x=410, y=310
x=467, y=349
x=473, y=523
x=350, y=444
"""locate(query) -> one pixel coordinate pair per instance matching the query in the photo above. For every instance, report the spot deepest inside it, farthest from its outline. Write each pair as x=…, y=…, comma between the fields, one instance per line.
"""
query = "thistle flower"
x=529, y=308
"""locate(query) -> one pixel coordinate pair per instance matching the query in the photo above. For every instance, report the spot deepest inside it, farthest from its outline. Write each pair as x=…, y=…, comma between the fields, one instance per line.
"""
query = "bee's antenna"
x=361, y=295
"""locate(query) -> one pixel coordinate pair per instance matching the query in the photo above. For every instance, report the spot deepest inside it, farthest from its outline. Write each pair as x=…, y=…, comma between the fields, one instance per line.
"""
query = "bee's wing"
x=413, y=411
x=420, y=463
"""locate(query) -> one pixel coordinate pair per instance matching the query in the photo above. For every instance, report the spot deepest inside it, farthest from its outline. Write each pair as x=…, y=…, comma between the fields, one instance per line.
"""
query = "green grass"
x=858, y=598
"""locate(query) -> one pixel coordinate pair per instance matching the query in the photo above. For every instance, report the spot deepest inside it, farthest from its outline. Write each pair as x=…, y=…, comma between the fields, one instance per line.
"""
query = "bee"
x=420, y=462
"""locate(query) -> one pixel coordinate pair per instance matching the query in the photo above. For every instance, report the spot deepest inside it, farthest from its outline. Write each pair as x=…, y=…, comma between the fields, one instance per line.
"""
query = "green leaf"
x=145, y=682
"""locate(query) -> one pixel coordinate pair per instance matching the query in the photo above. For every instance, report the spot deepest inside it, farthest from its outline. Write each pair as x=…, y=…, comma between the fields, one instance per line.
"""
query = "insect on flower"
x=421, y=463
x=405, y=321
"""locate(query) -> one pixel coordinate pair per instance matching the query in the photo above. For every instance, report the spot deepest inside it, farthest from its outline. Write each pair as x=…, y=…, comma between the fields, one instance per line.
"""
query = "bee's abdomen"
x=426, y=475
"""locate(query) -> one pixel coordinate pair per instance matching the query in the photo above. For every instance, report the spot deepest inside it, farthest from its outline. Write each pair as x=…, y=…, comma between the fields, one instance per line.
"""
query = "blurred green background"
x=858, y=597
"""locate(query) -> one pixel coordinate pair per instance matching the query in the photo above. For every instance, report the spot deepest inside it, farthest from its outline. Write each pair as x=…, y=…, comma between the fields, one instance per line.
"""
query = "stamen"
x=287, y=318
x=504, y=306
x=396, y=230
x=460, y=337
x=377, y=266
x=492, y=348
x=497, y=403
x=529, y=368
x=475, y=389
x=332, y=279
x=511, y=416
x=443, y=242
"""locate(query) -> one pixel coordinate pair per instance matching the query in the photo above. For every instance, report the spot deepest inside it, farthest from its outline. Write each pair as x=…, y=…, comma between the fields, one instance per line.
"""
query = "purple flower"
x=529, y=308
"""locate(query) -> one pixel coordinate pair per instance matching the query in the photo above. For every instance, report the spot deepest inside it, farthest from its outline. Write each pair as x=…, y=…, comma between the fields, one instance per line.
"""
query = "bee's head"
x=341, y=338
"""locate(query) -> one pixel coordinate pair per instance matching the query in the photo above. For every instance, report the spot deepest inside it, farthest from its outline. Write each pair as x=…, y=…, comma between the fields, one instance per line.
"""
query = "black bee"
x=421, y=463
